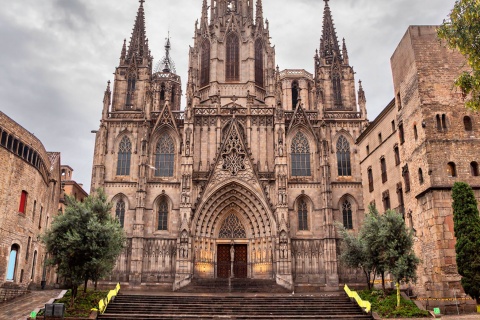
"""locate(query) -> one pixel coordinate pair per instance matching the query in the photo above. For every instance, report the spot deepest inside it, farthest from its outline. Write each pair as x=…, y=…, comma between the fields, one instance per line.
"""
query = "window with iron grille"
x=163, y=215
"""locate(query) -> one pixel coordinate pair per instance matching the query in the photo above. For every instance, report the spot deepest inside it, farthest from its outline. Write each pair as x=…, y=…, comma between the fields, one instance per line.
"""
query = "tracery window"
x=232, y=228
x=343, y=157
x=163, y=215
x=164, y=157
x=232, y=64
x=300, y=156
x=120, y=212
x=131, y=82
x=259, y=63
x=302, y=215
x=337, y=90
x=347, y=214
x=124, y=156
x=205, y=64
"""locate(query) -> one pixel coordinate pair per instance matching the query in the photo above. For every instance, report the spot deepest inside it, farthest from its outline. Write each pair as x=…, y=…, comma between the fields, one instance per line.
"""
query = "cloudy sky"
x=57, y=55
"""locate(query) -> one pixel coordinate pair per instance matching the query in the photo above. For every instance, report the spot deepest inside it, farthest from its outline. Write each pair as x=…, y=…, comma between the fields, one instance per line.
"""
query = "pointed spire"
x=361, y=93
x=166, y=64
x=124, y=50
x=107, y=97
x=204, y=12
x=259, y=12
x=138, y=42
x=329, y=47
x=345, y=53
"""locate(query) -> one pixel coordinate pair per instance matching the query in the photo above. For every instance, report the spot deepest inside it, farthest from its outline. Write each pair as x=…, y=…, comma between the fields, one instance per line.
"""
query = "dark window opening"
x=474, y=169
x=396, y=151
x=295, y=93
x=259, y=63
x=467, y=123
x=232, y=64
x=343, y=157
x=163, y=215
x=131, y=82
x=347, y=214
x=370, y=179
x=383, y=167
x=420, y=176
x=401, y=205
x=451, y=169
x=124, y=156
x=302, y=215
x=164, y=157
x=205, y=64
x=337, y=90
x=406, y=178
x=386, y=200
x=300, y=156
x=415, y=132
x=399, y=101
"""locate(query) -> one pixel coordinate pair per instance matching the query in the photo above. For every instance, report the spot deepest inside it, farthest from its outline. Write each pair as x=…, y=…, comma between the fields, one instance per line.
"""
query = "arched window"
x=337, y=90
x=120, y=212
x=300, y=156
x=467, y=123
x=370, y=179
x=343, y=157
x=205, y=64
x=295, y=93
x=232, y=228
x=451, y=169
x=131, y=82
x=415, y=131
x=124, y=155
x=347, y=214
x=232, y=64
x=302, y=215
x=259, y=63
x=163, y=215
x=474, y=169
x=164, y=157
x=420, y=176
x=12, y=262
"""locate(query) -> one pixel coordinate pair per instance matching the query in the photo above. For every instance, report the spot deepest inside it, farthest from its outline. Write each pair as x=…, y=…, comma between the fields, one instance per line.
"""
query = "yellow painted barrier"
x=102, y=304
x=365, y=305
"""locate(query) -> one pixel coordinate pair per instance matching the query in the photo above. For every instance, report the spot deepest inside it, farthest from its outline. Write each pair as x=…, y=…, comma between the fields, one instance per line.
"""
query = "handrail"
x=364, y=304
x=103, y=303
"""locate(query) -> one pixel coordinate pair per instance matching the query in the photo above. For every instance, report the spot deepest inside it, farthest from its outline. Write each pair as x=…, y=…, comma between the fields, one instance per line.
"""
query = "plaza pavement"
x=21, y=307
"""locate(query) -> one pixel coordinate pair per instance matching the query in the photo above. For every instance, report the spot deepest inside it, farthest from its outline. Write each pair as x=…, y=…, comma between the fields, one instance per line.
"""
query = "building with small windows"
x=262, y=161
x=29, y=195
x=70, y=187
x=430, y=141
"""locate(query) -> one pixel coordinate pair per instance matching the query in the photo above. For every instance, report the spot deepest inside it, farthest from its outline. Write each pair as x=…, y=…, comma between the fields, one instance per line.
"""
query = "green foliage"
x=462, y=32
x=385, y=305
x=383, y=244
x=85, y=241
x=467, y=231
x=83, y=303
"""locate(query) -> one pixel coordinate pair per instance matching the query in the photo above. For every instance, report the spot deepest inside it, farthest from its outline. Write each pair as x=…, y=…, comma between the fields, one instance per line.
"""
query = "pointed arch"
x=164, y=156
x=12, y=263
x=343, y=157
x=205, y=63
x=162, y=208
x=300, y=156
x=232, y=60
x=120, y=212
x=347, y=214
x=302, y=213
x=259, y=63
x=124, y=157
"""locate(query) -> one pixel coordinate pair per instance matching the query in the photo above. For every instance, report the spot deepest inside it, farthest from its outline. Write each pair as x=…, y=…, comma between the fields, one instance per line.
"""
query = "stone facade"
x=70, y=187
x=261, y=161
x=437, y=144
x=29, y=197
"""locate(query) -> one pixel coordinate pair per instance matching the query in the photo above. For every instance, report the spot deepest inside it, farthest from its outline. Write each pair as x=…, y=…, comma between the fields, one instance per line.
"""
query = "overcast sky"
x=57, y=55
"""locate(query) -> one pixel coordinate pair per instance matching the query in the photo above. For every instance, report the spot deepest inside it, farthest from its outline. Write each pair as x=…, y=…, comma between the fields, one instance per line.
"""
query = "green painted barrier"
x=436, y=310
x=33, y=315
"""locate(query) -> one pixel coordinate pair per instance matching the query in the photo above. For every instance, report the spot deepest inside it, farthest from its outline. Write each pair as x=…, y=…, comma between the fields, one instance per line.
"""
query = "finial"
x=141, y=2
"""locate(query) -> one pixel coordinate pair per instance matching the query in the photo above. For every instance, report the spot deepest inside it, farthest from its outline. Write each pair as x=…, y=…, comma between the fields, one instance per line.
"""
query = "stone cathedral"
x=247, y=181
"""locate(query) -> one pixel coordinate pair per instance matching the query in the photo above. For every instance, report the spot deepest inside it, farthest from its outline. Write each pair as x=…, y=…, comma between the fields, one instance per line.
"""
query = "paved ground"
x=449, y=317
x=21, y=307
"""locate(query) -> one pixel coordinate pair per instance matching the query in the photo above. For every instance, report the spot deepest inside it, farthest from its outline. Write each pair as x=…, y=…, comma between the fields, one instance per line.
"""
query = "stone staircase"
x=244, y=299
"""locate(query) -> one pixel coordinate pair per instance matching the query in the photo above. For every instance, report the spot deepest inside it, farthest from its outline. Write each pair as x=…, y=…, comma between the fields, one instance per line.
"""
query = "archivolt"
x=233, y=197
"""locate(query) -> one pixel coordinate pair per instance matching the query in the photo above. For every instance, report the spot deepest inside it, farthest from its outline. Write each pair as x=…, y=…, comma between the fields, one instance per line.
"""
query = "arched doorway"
x=232, y=258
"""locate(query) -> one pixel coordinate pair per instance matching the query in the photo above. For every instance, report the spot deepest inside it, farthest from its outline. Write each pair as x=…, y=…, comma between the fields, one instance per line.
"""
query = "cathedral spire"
x=345, y=53
x=329, y=47
x=124, y=50
x=259, y=12
x=167, y=64
x=138, y=42
x=204, y=12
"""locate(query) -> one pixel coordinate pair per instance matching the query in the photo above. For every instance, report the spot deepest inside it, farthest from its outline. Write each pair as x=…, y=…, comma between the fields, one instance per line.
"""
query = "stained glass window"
x=300, y=156
x=124, y=155
x=163, y=215
x=302, y=215
x=343, y=157
x=164, y=157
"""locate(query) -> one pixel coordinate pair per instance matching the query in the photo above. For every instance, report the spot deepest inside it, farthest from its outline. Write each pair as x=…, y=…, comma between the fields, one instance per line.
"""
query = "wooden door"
x=240, y=261
x=223, y=261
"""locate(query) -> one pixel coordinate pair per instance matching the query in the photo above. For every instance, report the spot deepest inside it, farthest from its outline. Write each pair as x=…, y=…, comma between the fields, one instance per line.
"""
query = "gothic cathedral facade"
x=251, y=178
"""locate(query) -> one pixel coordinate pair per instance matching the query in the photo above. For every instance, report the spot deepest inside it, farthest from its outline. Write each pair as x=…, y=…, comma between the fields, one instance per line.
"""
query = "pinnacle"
x=329, y=46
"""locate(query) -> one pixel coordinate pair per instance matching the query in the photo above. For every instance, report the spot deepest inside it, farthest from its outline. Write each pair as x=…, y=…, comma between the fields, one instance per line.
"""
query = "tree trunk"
x=74, y=295
x=367, y=276
x=383, y=281
x=398, y=294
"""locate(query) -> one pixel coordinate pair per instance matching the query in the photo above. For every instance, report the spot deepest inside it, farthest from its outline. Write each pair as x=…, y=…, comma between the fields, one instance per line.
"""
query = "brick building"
x=418, y=147
x=70, y=187
x=29, y=197
x=256, y=170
